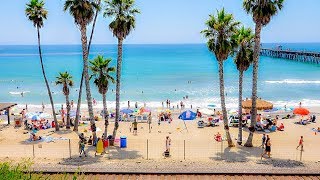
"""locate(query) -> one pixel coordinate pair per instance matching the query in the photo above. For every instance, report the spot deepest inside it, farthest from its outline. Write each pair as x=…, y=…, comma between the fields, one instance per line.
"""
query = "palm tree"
x=244, y=39
x=219, y=32
x=123, y=22
x=65, y=79
x=36, y=13
x=76, y=122
x=83, y=13
x=101, y=73
x=262, y=12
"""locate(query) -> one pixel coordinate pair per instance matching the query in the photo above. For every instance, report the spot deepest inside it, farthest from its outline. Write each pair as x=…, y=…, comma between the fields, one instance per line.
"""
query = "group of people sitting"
x=37, y=125
x=165, y=117
x=34, y=137
x=311, y=119
x=268, y=124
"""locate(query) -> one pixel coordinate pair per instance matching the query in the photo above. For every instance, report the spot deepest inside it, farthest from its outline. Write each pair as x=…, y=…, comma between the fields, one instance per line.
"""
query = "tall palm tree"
x=36, y=13
x=76, y=122
x=102, y=77
x=123, y=22
x=244, y=39
x=65, y=79
x=262, y=12
x=83, y=13
x=219, y=32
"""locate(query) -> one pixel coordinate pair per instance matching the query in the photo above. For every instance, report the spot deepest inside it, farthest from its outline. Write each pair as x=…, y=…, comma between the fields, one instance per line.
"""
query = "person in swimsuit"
x=268, y=148
x=300, y=143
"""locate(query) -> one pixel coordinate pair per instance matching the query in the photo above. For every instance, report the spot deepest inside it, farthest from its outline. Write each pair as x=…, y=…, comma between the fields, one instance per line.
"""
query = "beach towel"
x=315, y=130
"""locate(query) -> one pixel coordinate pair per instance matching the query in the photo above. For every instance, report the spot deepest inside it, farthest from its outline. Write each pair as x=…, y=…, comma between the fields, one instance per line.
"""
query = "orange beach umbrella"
x=301, y=111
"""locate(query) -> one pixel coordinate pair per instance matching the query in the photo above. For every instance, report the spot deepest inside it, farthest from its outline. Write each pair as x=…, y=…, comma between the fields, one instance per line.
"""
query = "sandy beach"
x=189, y=144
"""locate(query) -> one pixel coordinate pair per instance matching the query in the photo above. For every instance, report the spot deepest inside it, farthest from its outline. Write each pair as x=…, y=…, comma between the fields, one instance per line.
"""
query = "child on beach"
x=300, y=143
x=81, y=148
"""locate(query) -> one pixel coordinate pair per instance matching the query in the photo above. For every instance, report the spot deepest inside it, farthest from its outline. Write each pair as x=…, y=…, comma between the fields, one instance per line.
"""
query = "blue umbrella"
x=35, y=118
x=188, y=115
x=126, y=111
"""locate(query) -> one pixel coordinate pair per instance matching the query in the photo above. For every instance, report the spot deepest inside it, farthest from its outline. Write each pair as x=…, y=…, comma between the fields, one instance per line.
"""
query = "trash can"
x=123, y=142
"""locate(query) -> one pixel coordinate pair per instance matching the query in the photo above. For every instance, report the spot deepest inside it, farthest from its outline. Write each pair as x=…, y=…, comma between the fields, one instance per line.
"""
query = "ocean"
x=152, y=74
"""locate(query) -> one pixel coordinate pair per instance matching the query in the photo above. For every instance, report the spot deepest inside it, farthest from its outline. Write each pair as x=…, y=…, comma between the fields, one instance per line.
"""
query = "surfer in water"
x=22, y=94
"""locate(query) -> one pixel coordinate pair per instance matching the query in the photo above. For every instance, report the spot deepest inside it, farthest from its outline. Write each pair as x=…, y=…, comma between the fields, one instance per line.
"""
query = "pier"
x=300, y=56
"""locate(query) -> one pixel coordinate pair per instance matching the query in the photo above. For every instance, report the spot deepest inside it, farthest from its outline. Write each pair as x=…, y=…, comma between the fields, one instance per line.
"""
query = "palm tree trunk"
x=240, y=107
x=76, y=122
x=47, y=84
x=106, y=116
x=119, y=62
x=68, y=111
x=86, y=78
x=223, y=104
x=256, y=55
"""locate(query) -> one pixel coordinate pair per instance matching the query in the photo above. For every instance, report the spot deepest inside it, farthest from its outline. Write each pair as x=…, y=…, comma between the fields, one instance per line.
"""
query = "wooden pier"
x=300, y=56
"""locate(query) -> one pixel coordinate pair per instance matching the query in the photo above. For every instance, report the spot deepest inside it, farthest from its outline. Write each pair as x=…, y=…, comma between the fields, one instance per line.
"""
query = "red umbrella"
x=301, y=111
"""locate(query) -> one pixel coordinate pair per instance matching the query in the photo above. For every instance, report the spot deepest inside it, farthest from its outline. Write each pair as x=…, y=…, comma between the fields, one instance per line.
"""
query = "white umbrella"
x=44, y=115
x=207, y=111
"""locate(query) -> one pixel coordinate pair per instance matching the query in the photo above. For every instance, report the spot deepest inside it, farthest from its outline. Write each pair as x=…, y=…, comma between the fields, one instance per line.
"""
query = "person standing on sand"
x=300, y=143
x=135, y=127
x=43, y=107
x=268, y=148
x=128, y=104
x=168, y=143
x=149, y=122
x=71, y=103
x=81, y=148
x=62, y=115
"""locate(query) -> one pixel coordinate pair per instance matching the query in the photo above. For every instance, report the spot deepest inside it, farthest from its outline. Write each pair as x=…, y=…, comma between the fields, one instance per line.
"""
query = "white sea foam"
x=18, y=92
x=293, y=81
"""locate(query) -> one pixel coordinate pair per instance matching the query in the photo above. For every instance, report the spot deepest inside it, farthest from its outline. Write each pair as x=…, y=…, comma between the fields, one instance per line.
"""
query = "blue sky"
x=160, y=21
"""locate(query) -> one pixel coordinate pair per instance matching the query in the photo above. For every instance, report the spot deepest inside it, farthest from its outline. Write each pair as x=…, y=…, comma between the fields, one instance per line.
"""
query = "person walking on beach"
x=94, y=101
x=136, y=105
x=135, y=127
x=300, y=143
x=263, y=143
x=62, y=115
x=168, y=144
x=268, y=148
x=128, y=104
x=149, y=122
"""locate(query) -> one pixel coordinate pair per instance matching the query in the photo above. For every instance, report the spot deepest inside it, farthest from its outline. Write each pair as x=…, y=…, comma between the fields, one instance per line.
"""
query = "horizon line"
x=148, y=44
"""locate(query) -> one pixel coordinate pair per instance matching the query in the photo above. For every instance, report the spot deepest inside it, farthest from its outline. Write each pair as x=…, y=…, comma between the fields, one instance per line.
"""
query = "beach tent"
x=301, y=111
x=188, y=115
x=126, y=111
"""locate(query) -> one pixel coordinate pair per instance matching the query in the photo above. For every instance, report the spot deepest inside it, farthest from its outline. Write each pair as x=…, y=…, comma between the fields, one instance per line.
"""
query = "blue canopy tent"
x=126, y=111
x=187, y=115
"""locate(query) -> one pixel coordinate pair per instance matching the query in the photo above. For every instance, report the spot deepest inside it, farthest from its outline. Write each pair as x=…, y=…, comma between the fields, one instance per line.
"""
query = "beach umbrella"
x=233, y=111
x=126, y=111
x=29, y=115
x=206, y=111
x=211, y=106
x=44, y=115
x=271, y=110
x=188, y=115
x=145, y=110
x=35, y=118
x=301, y=111
x=261, y=104
x=73, y=113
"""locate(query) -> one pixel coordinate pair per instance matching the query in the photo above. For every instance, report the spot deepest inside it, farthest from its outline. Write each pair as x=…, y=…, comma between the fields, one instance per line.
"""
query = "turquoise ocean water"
x=154, y=73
